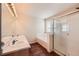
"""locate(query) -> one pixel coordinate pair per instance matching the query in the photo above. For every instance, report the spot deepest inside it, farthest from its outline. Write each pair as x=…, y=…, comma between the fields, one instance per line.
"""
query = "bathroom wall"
x=22, y=24
x=40, y=26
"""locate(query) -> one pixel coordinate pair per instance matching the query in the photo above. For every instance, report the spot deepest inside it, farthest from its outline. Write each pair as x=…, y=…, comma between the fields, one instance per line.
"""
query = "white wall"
x=22, y=24
x=40, y=26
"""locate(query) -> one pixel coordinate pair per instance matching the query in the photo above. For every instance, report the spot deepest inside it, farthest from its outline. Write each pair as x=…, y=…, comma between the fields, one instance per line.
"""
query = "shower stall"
x=56, y=28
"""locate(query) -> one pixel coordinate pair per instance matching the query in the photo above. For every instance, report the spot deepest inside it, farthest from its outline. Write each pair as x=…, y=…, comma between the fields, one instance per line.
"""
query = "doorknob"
x=67, y=33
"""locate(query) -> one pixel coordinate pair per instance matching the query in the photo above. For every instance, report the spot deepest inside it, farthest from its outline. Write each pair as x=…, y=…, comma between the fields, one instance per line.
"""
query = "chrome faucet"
x=14, y=41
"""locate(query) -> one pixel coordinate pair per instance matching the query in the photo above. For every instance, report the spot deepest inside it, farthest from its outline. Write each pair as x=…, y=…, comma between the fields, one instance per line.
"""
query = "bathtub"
x=43, y=37
x=46, y=40
x=20, y=43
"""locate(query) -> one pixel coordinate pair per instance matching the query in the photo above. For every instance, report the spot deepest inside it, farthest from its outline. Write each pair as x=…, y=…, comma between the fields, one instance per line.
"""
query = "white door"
x=64, y=35
x=60, y=39
x=73, y=37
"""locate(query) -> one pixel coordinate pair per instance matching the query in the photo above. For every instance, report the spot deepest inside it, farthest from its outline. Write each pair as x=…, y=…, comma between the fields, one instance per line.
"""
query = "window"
x=64, y=27
x=49, y=26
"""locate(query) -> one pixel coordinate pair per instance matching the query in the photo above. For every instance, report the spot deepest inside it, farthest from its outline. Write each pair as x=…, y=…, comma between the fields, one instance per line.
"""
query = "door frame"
x=0, y=30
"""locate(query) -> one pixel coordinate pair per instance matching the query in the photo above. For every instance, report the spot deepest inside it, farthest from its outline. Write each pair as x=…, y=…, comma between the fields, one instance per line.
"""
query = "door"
x=60, y=38
x=73, y=37
x=64, y=35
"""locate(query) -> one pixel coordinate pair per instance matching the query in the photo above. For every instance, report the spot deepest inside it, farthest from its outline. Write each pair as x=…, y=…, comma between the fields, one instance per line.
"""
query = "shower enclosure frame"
x=0, y=30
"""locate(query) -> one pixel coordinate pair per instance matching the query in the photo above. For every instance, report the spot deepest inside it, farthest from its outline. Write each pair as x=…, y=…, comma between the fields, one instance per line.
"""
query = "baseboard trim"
x=58, y=52
x=44, y=44
x=34, y=41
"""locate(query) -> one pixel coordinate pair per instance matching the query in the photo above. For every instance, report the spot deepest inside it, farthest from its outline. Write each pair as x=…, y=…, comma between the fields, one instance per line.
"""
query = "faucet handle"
x=12, y=35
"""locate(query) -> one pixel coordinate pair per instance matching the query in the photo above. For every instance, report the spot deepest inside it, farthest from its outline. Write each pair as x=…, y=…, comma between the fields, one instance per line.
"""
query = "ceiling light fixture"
x=11, y=9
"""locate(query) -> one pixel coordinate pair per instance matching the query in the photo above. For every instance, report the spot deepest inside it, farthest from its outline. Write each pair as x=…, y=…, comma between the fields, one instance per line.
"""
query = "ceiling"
x=41, y=10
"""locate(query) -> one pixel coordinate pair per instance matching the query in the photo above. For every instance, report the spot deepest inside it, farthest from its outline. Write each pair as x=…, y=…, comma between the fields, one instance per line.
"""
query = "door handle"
x=67, y=33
